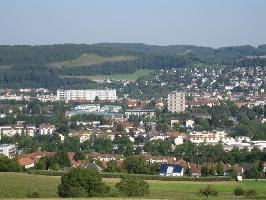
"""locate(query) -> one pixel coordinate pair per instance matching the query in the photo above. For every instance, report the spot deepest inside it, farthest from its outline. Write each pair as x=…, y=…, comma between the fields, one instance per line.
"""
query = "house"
x=159, y=159
x=73, y=162
x=11, y=130
x=132, y=103
x=126, y=124
x=8, y=150
x=26, y=162
x=189, y=123
x=174, y=121
x=195, y=169
x=171, y=170
x=46, y=129
x=202, y=102
x=139, y=112
x=87, y=165
x=178, y=137
x=213, y=137
x=103, y=157
x=182, y=163
x=82, y=134
x=36, y=156
x=159, y=104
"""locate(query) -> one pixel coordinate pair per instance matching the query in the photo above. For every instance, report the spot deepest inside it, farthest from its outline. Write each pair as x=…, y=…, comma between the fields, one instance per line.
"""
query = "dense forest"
x=29, y=66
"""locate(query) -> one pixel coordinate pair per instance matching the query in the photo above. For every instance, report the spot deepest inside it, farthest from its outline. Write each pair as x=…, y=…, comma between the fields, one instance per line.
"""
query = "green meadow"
x=21, y=185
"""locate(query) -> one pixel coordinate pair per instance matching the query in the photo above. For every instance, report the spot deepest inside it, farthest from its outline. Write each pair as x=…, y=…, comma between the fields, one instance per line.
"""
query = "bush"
x=82, y=183
x=251, y=193
x=9, y=165
x=205, y=171
x=207, y=191
x=239, y=192
x=133, y=187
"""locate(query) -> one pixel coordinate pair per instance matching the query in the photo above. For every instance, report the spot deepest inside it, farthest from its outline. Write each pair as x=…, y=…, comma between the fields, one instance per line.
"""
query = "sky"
x=212, y=23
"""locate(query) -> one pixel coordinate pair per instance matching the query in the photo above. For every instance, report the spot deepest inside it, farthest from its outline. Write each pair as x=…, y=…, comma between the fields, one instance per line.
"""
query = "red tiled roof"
x=37, y=155
x=175, y=134
x=46, y=126
x=195, y=168
x=25, y=161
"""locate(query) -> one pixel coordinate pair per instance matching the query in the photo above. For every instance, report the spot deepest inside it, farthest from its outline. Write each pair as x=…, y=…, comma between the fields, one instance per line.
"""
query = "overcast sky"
x=198, y=22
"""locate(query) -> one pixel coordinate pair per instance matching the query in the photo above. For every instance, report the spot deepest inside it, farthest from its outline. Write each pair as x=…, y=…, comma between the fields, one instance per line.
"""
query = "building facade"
x=86, y=95
x=176, y=102
x=8, y=150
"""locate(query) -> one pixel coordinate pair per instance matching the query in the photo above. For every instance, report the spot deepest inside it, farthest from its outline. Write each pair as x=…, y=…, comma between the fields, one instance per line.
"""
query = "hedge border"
x=142, y=176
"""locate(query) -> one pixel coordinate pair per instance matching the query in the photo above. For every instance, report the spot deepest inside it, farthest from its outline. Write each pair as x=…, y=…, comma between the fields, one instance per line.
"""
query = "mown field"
x=18, y=185
x=90, y=59
x=117, y=77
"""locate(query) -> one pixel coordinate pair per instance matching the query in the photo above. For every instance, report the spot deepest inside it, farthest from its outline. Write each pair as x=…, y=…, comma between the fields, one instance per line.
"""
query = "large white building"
x=86, y=95
x=8, y=150
x=213, y=137
x=176, y=102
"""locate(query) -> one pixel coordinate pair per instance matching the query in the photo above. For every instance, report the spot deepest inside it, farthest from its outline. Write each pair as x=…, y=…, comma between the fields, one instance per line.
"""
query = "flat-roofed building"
x=86, y=95
x=139, y=112
x=8, y=150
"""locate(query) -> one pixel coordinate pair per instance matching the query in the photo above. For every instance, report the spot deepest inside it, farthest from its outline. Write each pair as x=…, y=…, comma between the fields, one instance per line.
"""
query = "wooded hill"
x=43, y=66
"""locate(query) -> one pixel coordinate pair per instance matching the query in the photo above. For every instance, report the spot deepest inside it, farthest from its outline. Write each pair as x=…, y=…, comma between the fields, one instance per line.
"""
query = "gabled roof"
x=25, y=161
x=88, y=165
x=37, y=155
x=175, y=134
x=195, y=168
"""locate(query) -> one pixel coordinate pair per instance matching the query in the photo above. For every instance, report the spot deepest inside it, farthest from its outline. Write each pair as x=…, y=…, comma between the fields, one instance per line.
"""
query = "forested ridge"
x=29, y=66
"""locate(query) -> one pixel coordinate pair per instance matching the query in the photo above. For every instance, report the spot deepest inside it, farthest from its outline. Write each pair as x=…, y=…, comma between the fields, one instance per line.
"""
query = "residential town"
x=188, y=115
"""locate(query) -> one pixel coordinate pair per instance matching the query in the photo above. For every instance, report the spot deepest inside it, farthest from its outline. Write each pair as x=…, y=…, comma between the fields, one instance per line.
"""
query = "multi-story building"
x=11, y=130
x=176, y=102
x=139, y=112
x=86, y=95
x=46, y=129
x=213, y=137
x=8, y=150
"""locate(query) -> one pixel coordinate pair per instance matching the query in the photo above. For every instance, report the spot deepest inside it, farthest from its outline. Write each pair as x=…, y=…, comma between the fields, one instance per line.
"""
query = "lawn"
x=18, y=185
x=90, y=59
x=117, y=77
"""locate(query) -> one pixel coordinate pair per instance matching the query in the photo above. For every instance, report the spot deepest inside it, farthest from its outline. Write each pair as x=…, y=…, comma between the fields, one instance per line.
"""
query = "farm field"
x=116, y=77
x=19, y=185
x=90, y=59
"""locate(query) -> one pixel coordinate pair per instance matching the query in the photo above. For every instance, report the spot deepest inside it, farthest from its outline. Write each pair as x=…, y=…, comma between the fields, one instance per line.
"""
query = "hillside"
x=43, y=66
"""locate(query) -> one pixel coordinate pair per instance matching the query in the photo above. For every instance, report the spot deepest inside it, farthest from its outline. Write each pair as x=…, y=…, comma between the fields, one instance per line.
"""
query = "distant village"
x=126, y=116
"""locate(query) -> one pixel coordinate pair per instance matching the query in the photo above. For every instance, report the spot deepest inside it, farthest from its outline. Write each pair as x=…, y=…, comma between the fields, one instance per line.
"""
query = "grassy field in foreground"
x=90, y=59
x=18, y=185
x=117, y=77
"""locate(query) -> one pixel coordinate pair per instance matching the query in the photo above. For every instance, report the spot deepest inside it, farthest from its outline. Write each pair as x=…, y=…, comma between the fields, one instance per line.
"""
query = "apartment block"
x=176, y=102
x=86, y=95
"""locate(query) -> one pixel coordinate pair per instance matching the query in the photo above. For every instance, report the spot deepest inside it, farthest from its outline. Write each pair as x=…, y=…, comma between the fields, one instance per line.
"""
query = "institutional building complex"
x=86, y=95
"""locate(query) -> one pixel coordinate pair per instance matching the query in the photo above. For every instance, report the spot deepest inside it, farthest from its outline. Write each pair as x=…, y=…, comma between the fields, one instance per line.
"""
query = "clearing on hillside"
x=90, y=59
x=116, y=77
